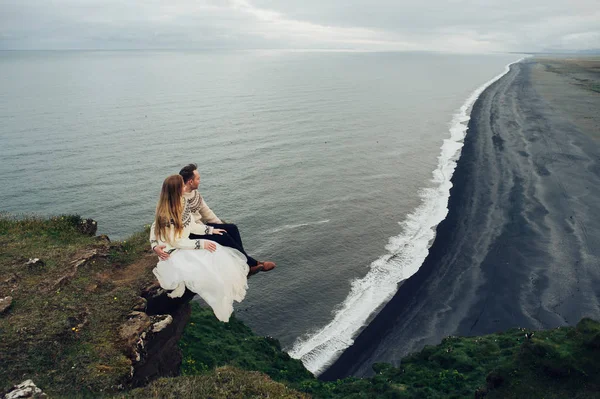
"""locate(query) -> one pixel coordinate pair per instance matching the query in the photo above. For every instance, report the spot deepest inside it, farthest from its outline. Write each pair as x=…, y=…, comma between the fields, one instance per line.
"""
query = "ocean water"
x=334, y=165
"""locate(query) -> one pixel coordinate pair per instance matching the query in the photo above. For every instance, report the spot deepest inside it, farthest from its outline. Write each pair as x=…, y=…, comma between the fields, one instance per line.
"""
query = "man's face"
x=194, y=181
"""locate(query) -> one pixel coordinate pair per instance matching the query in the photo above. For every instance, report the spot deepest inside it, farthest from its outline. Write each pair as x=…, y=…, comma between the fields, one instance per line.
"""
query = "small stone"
x=161, y=324
x=5, y=304
x=26, y=389
x=33, y=263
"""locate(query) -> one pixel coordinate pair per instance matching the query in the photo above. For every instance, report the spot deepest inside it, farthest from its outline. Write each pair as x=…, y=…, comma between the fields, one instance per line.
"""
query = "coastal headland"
x=86, y=320
x=520, y=246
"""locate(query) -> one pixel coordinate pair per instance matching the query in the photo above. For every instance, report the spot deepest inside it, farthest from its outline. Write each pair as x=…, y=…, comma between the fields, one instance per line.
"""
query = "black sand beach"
x=520, y=246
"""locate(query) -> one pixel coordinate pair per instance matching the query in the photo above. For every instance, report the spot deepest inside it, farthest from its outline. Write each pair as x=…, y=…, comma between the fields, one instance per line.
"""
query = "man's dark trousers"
x=230, y=239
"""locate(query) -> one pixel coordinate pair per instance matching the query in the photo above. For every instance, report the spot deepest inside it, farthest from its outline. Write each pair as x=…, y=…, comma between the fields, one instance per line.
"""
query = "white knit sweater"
x=190, y=226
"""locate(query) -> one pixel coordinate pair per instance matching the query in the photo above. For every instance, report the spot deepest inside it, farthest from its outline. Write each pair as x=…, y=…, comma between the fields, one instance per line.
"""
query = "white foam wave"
x=295, y=226
x=406, y=253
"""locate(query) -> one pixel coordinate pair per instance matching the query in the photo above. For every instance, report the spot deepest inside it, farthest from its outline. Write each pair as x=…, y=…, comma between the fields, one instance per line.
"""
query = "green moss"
x=208, y=343
x=62, y=329
x=65, y=337
x=558, y=363
x=130, y=249
x=456, y=368
x=221, y=383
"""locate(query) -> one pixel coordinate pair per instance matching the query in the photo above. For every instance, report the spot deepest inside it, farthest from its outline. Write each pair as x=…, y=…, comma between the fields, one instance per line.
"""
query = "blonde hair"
x=169, y=209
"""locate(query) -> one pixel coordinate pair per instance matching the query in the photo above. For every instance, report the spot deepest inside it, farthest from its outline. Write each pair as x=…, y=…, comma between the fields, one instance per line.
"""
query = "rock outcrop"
x=151, y=333
x=26, y=389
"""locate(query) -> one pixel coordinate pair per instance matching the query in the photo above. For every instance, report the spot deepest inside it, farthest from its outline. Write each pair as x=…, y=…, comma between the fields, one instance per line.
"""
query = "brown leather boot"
x=255, y=269
x=267, y=265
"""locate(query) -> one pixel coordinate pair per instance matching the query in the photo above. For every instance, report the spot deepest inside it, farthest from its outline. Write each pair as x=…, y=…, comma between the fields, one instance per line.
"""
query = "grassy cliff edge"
x=62, y=330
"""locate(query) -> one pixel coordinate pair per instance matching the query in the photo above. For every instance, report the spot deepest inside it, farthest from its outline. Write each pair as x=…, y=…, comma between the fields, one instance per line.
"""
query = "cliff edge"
x=81, y=316
x=81, y=311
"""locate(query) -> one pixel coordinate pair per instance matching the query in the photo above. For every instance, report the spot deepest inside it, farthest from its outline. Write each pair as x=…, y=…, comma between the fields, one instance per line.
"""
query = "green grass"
x=208, y=343
x=222, y=383
x=131, y=249
x=64, y=335
x=456, y=368
x=560, y=363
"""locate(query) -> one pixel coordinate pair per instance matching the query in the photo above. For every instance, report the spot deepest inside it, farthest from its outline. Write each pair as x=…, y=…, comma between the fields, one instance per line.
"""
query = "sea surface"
x=335, y=165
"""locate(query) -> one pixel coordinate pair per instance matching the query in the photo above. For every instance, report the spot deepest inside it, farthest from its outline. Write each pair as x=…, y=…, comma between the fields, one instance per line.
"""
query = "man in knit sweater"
x=202, y=213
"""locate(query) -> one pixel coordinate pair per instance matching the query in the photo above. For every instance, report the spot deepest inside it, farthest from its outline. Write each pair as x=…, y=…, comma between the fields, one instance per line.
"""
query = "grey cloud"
x=523, y=24
x=456, y=25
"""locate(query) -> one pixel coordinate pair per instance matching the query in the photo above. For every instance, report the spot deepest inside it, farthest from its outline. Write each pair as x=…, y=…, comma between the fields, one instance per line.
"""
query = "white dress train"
x=219, y=277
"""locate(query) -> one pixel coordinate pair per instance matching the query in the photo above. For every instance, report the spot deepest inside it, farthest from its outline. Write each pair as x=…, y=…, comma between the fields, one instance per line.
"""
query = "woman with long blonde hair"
x=216, y=273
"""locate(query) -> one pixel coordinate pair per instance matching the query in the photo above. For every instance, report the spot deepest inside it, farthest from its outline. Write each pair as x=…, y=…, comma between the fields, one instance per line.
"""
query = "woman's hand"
x=159, y=250
x=210, y=246
x=219, y=231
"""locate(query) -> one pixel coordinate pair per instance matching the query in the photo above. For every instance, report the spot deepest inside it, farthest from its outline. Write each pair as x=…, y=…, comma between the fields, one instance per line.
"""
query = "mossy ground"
x=556, y=363
x=221, y=383
x=63, y=334
x=559, y=363
x=62, y=328
x=208, y=343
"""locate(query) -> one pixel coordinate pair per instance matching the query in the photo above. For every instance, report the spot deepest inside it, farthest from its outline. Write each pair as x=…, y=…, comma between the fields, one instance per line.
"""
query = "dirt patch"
x=132, y=272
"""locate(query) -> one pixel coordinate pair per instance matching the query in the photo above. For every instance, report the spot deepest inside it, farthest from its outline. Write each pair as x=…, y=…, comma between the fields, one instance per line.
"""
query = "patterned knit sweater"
x=199, y=209
x=190, y=226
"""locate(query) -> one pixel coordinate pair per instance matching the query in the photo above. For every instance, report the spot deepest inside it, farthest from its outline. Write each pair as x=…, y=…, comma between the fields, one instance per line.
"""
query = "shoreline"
x=496, y=262
x=406, y=253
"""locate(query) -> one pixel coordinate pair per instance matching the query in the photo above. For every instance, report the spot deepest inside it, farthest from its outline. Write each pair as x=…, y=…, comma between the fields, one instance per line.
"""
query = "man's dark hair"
x=187, y=172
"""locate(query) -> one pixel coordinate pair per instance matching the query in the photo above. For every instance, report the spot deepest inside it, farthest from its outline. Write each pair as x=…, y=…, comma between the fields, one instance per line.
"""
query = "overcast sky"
x=376, y=25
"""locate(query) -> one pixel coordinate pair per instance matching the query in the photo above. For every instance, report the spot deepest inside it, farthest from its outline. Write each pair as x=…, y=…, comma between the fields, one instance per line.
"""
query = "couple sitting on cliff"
x=197, y=250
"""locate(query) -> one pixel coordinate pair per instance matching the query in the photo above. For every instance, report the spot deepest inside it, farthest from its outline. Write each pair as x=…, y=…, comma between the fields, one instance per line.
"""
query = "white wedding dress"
x=219, y=277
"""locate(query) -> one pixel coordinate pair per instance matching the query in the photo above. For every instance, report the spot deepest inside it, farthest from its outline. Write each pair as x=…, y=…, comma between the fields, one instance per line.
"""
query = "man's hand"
x=219, y=231
x=210, y=246
x=159, y=250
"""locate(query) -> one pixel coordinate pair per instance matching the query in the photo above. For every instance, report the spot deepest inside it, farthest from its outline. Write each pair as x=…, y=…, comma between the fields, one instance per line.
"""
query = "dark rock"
x=160, y=303
x=87, y=227
x=150, y=338
x=161, y=356
x=5, y=304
